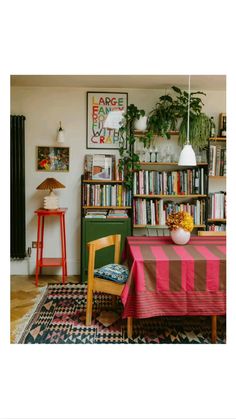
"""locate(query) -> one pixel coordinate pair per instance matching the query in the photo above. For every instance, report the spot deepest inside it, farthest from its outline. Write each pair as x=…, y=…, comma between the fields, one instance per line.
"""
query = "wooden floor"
x=23, y=295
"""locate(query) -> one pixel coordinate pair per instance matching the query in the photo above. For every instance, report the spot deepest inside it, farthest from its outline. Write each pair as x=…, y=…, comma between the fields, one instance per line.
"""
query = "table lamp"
x=51, y=201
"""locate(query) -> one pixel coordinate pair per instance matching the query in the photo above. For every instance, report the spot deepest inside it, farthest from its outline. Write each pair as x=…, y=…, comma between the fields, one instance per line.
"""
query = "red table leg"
x=37, y=252
x=41, y=245
x=64, y=238
x=62, y=248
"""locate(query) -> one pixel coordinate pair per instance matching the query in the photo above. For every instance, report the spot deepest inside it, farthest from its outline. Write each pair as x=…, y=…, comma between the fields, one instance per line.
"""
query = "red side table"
x=42, y=261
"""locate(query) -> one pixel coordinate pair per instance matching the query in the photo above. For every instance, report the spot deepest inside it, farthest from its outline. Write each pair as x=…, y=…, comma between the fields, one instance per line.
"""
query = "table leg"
x=64, y=237
x=130, y=327
x=213, y=329
x=37, y=252
x=62, y=249
x=41, y=245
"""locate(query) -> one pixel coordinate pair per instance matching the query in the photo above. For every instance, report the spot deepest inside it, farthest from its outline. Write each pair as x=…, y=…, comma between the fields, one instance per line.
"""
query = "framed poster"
x=99, y=106
x=53, y=159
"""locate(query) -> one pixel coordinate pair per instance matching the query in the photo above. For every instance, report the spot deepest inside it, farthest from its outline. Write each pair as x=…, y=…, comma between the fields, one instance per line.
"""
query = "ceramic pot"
x=180, y=236
x=141, y=123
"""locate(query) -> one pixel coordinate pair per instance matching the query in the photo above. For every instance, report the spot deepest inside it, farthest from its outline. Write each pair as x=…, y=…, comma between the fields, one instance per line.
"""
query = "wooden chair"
x=211, y=233
x=101, y=284
x=214, y=317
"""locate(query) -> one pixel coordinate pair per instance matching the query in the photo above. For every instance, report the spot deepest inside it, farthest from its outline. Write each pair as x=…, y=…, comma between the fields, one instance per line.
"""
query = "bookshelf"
x=216, y=217
x=106, y=207
x=176, y=187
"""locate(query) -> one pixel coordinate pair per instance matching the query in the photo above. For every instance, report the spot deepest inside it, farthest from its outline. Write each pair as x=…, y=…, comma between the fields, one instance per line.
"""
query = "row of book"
x=181, y=182
x=116, y=213
x=105, y=195
x=155, y=212
x=217, y=205
x=217, y=160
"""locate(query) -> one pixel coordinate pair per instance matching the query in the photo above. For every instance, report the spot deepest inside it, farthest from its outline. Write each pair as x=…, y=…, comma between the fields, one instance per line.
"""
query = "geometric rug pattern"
x=59, y=318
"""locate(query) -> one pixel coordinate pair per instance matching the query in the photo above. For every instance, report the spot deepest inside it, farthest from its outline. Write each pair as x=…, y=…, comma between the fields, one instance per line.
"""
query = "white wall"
x=43, y=108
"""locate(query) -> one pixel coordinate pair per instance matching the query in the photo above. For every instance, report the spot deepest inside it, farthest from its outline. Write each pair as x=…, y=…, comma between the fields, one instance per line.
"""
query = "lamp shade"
x=50, y=183
x=187, y=156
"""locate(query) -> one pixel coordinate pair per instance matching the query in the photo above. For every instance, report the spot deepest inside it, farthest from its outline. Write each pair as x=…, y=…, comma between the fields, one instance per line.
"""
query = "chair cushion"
x=113, y=272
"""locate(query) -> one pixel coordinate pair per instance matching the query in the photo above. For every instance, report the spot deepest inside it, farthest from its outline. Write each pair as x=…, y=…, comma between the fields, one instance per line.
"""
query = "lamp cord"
x=188, y=109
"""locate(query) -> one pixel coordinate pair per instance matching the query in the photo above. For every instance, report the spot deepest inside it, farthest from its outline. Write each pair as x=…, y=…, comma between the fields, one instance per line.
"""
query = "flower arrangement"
x=180, y=219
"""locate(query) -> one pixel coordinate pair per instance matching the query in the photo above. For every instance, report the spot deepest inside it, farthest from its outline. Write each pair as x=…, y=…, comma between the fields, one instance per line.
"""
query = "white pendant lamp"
x=187, y=156
x=60, y=135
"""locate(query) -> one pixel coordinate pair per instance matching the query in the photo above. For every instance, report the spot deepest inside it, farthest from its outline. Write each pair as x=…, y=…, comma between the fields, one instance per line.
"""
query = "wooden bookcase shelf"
x=103, y=207
x=216, y=220
x=138, y=133
x=142, y=163
x=103, y=182
x=217, y=139
x=162, y=226
x=217, y=177
x=169, y=196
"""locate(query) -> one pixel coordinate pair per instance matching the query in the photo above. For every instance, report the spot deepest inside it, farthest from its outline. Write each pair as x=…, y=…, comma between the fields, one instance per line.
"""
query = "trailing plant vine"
x=129, y=160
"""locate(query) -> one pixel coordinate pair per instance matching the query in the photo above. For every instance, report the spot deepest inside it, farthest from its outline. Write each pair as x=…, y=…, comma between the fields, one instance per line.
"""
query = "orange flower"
x=180, y=219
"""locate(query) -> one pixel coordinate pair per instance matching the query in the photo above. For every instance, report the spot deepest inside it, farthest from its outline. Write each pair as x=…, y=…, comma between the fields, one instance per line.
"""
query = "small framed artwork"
x=53, y=159
x=100, y=133
x=103, y=167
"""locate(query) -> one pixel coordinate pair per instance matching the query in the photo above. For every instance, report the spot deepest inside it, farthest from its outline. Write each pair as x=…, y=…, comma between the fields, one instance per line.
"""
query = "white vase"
x=141, y=123
x=180, y=236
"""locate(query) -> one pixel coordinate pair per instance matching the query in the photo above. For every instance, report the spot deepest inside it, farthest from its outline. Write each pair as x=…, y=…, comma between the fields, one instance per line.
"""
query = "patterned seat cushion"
x=113, y=272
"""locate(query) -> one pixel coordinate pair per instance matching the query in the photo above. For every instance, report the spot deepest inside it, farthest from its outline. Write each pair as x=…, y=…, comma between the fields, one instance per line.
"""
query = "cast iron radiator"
x=18, y=240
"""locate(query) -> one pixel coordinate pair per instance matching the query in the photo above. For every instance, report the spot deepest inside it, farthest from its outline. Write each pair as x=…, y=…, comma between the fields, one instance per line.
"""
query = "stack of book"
x=117, y=213
x=96, y=214
x=219, y=227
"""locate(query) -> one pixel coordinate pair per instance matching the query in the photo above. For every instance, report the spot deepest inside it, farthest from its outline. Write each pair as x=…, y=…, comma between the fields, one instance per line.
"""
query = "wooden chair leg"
x=89, y=307
x=114, y=300
x=213, y=329
x=130, y=327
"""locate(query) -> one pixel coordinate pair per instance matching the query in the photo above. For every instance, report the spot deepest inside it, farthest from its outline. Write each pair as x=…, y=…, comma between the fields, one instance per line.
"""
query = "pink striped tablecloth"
x=167, y=279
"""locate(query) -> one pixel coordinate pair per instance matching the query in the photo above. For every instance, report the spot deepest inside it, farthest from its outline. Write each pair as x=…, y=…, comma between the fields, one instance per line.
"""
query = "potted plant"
x=180, y=225
x=162, y=118
x=129, y=160
x=199, y=122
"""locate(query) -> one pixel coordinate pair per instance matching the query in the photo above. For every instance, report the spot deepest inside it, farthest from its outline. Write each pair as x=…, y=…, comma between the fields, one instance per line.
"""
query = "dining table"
x=166, y=279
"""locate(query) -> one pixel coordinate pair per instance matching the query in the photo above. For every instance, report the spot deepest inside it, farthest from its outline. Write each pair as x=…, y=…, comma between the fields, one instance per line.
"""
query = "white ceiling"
x=206, y=82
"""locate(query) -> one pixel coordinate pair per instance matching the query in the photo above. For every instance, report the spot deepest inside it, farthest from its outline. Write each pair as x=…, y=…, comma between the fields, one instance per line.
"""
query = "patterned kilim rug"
x=60, y=318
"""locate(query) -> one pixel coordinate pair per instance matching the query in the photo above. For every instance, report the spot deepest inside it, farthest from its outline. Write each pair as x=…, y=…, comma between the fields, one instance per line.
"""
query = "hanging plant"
x=199, y=130
x=199, y=122
x=162, y=119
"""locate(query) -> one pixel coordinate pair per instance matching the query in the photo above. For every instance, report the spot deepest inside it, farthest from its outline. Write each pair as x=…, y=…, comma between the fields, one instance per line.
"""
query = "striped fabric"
x=167, y=279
